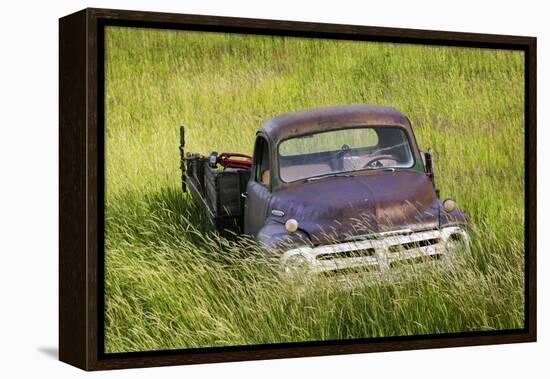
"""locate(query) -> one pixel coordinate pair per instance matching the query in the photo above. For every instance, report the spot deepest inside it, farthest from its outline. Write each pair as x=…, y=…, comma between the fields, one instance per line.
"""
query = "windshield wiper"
x=341, y=175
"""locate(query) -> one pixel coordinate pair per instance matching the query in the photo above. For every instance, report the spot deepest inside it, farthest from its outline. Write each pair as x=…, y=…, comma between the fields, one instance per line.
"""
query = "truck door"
x=258, y=189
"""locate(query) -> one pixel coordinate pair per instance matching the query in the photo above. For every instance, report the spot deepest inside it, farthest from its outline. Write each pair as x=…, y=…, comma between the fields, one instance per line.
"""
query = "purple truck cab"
x=332, y=189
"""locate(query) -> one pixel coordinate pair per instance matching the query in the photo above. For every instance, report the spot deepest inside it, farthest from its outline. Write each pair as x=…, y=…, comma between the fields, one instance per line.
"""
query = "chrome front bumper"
x=379, y=253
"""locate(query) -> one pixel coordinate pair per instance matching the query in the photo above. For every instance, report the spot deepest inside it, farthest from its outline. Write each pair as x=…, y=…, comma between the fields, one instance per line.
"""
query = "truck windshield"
x=344, y=151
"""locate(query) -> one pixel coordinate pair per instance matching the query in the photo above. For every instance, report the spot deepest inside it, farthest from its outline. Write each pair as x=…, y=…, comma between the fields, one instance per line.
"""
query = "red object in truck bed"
x=243, y=161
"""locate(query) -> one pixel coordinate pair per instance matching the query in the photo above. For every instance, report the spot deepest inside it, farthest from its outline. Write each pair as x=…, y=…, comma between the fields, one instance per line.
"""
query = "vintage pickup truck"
x=333, y=189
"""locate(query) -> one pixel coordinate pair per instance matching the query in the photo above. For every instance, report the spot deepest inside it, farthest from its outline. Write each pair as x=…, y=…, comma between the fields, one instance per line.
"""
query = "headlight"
x=291, y=225
x=449, y=205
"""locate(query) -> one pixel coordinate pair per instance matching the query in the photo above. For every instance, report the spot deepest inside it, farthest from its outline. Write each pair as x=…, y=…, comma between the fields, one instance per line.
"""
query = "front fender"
x=275, y=238
x=456, y=217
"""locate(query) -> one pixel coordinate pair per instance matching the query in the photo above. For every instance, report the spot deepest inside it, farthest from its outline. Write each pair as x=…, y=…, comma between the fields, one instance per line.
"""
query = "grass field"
x=172, y=283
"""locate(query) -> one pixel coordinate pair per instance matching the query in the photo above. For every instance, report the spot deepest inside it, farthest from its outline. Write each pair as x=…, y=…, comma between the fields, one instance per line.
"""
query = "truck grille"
x=346, y=254
x=416, y=260
x=380, y=254
x=414, y=245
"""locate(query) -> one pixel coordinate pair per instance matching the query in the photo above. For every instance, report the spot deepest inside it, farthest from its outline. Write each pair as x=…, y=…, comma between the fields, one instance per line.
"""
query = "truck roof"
x=331, y=118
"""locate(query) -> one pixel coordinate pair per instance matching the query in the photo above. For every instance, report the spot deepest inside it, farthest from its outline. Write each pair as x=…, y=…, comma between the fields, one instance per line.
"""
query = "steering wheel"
x=371, y=163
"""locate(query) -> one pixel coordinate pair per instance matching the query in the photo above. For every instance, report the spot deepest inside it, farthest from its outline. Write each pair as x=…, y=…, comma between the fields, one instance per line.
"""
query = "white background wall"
x=29, y=183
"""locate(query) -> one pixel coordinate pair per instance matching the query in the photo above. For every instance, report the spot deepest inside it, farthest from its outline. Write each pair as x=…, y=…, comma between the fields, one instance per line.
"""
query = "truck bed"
x=219, y=192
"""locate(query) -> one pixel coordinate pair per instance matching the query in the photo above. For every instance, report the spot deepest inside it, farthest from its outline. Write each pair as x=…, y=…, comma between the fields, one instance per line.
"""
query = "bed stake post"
x=182, y=160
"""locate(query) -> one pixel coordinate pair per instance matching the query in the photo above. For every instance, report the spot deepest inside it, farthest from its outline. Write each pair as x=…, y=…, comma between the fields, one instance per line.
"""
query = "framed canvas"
x=241, y=189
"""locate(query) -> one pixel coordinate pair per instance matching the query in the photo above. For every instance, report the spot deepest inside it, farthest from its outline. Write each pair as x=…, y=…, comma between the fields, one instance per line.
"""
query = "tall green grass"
x=173, y=283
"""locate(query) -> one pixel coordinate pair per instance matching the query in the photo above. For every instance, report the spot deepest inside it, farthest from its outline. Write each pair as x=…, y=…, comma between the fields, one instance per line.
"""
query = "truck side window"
x=262, y=173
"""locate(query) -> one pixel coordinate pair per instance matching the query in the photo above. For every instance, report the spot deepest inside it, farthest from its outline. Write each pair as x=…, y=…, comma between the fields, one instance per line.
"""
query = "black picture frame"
x=81, y=183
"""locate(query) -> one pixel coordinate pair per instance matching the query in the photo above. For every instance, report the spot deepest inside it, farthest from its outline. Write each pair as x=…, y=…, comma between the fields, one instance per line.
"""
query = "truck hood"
x=341, y=208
